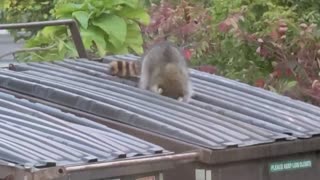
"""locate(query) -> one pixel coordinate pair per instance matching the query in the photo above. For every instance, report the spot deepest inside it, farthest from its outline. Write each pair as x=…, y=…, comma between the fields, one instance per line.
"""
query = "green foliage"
x=273, y=44
x=235, y=19
x=238, y=61
x=17, y=11
x=106, y=27
x=186, y=24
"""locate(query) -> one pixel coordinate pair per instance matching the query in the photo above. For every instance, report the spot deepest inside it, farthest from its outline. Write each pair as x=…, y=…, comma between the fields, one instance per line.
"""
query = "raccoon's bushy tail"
x=125, y=68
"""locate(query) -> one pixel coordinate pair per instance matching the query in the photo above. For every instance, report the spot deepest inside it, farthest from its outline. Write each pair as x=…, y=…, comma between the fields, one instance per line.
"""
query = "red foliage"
x=259, y=83
x=279, y=31
x=297, y=58
x=231, y=22
x=223, y=27
x=208, y=69
x=187, y=53
x=185, y=24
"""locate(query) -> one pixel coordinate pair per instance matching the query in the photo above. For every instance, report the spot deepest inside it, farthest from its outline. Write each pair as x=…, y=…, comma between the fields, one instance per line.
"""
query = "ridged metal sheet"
x=222, y=113
x=36, y=135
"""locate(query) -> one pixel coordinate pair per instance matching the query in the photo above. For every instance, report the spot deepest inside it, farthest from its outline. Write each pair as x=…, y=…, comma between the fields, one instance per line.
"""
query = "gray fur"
x=164, y=71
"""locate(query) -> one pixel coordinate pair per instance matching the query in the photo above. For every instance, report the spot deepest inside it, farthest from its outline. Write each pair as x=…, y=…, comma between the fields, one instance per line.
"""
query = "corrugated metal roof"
x=36, y=135
x=222, y=113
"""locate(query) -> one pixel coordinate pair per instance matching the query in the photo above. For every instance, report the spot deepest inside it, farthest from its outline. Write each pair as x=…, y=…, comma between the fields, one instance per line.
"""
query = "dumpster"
x=39, y=142
x=240, y=131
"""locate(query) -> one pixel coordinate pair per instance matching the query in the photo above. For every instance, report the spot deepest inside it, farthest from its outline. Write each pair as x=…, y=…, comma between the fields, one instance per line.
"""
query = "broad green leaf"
x=82, y=17
x=107, y=3
x=53, y=31
x=87, y=36
x=131, y=3
x=72, y=51
x=137, y=48
x=96, y=35
x=114, y=26
x=134, y=34
x=99, y=4
x=66, y=10
x=113, y=50
x=4, y=4
x=138, y=14
x=101, y=47
x=123, y=50
x=115, y=42
x=134, y=39
x=60, y=45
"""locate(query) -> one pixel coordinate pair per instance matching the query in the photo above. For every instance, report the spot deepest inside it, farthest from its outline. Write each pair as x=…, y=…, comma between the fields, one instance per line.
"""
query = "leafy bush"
x=106, y=26
x=295, y=59
x=14, y=11
x=186, y=24
x=271, y=44
x=233, y=55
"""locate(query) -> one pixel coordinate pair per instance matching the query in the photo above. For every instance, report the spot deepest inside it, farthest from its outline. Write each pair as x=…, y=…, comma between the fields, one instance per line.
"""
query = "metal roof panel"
x=217, y=116
x=33, y=134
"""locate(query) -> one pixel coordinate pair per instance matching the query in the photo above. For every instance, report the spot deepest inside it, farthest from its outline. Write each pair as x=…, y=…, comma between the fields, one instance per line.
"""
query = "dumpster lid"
x=223, y=113
x=34, y=135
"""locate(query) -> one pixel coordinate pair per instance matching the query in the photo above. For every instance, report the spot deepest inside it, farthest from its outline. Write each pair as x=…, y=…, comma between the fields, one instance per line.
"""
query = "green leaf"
x=134, y=38
x=101, y=4
x=66, y=10
x=37, y=7
x=53, y=31
x=123, y=50
x=137, y=49
x=106, y=3
x=96, y=35
x=82, y=17
x=45, y=2
x=272, y=89
x=35, y=56
x=130, y=3
x=4, y=4
x=114, y=26
x=113, y=50
x=72, y=51
x=291, y=84
x=138, y=14
x=60, y=45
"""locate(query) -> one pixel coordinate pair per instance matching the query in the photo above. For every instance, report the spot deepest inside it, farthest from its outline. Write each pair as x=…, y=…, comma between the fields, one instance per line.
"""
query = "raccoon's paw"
x=156, y=89
x=160, y=91
x=180, y=99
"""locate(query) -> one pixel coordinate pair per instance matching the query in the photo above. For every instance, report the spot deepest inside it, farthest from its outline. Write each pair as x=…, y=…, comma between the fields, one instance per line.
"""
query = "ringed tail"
x=124, y=68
